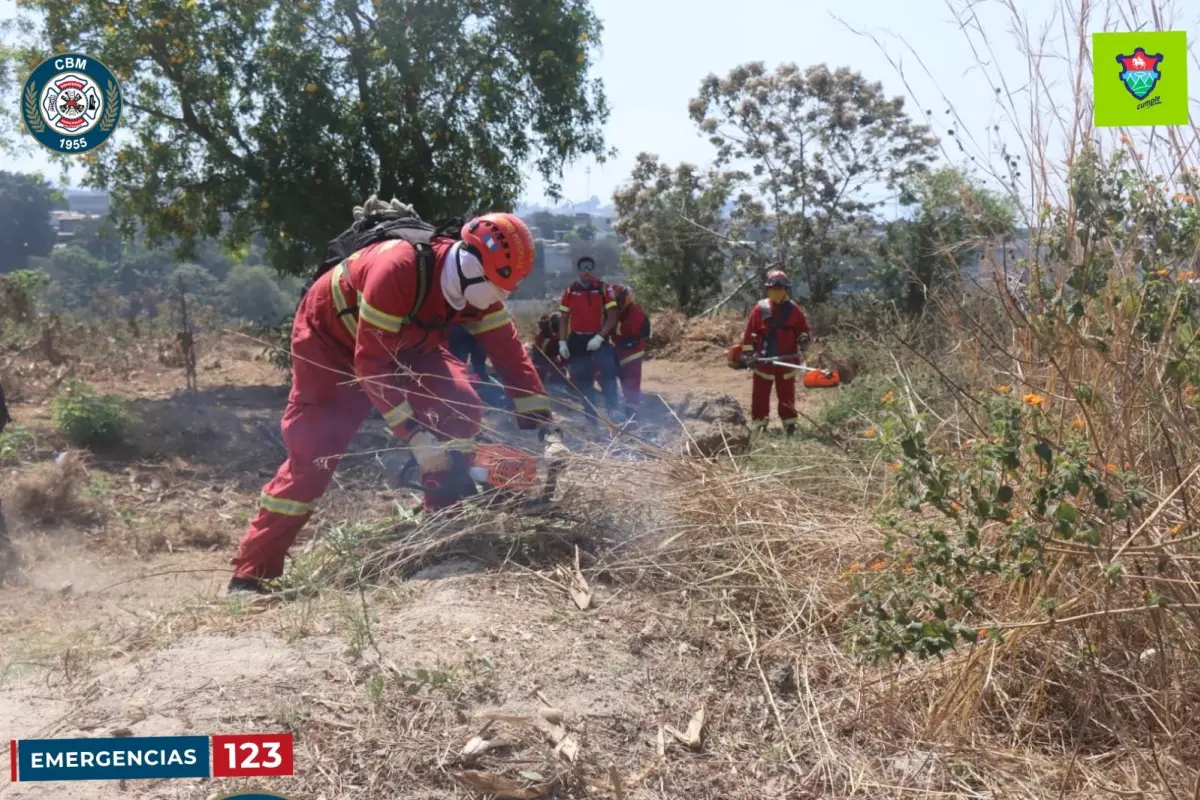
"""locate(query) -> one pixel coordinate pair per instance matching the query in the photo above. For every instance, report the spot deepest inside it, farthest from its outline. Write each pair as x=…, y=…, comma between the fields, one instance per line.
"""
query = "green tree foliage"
x=278, y=117
x=76, y=277
x=821, y=144
x=952, y=219
x=670, y=218
x=25, y=228
x=251, y=295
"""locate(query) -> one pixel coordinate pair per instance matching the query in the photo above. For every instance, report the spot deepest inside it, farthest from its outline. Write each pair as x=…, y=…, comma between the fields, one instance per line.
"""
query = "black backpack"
x=372, y=230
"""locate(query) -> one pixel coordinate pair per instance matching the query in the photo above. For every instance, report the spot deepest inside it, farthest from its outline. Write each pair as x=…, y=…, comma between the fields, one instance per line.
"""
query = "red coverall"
x=345, y=364
x=550, y=365
x=633, y=328
x=774, y=335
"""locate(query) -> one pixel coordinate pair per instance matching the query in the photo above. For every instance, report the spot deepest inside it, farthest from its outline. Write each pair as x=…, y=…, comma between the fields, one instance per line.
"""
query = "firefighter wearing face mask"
x=777, y=329
x=382, y=315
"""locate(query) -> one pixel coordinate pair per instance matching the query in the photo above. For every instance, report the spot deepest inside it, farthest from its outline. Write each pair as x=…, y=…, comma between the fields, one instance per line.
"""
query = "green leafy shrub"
x=90, y=419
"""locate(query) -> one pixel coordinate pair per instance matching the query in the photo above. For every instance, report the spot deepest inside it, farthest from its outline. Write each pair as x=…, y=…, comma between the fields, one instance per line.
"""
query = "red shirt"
x=633, y=324
x=583, y=307
x=777, y=334
x=378, y=285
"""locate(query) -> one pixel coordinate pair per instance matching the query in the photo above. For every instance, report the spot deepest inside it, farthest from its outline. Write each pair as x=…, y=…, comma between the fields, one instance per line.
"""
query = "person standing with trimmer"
x=777, y=330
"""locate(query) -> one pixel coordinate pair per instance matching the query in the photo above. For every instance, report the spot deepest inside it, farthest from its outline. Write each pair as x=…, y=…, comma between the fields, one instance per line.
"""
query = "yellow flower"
x=888, y=398
x=870, y=433
x=1079, y=424
x=895, y=466
x=1033, y=400
x=1003, y=389
x=1176, y=530
x=310, y=88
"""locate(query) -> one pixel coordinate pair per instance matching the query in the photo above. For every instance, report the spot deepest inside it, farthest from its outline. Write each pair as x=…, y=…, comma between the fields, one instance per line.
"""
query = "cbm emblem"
x=1140, y=74
x=71, y=103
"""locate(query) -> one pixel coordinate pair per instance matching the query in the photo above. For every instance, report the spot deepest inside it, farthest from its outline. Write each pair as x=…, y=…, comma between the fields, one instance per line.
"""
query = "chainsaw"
x=506, y=475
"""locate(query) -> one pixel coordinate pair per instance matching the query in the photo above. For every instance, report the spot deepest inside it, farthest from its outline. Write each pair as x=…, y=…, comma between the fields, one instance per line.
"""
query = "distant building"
x=88, y=202
x=66, y=224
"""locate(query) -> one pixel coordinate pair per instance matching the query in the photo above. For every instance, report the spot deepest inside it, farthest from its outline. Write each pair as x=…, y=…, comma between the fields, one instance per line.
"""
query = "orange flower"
x=1079, y=424
x=1124, y=140
x=1110, y=467
x=1003, y=389
x=855, y=567
x=983, y=632
x=878, y=565
x=894, y=466
x=1189, y=389
x=955, y=507
x=1189, y=199
x=870, y=433
x=1033, y=400
x=1187, y=275
x=888, y=398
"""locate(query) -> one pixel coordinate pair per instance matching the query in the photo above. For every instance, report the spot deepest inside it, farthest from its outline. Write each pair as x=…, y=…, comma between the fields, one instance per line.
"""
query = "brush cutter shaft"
x=801, y=367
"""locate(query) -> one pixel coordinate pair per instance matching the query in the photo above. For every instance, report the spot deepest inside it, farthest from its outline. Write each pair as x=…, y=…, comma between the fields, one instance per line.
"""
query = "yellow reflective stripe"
x=382, y=320
x=764, y=375
x=534, y=402
x=460, y=445
x=563, y=308
x=610, y=304
x=490, y=322
x=388, y=245
x=632, y=357
x=339, y=299
x=791, y=375
x=397, y=415
x=281, y=505
x=747, y=348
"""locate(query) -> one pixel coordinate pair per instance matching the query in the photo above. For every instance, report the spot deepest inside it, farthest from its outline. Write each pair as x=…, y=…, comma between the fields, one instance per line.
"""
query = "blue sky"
x=656, y=53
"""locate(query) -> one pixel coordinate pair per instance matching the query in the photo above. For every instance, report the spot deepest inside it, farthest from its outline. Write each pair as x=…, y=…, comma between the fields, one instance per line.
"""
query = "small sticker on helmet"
x=490, y=243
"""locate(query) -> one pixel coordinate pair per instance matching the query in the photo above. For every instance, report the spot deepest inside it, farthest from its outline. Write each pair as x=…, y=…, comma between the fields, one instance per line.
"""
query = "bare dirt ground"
x=116, y=623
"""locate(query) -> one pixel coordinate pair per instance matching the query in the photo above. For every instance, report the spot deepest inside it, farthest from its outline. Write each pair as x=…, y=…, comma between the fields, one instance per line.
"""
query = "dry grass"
x=53, y=494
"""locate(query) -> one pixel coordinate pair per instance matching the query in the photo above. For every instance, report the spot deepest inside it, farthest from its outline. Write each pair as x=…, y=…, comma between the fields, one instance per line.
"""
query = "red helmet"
x=777, y=278
x=504, y=245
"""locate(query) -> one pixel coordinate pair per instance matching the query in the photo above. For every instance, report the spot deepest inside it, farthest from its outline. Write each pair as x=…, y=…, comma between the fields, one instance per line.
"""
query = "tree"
x=952, y=220
x=77, y=276
x=253, y=296
x=278, y=117
x=25, y=227
x=671, y=218
x=819, y=143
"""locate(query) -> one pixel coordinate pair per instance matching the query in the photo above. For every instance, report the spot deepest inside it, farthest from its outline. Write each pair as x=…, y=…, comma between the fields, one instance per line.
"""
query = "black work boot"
x=246, y=586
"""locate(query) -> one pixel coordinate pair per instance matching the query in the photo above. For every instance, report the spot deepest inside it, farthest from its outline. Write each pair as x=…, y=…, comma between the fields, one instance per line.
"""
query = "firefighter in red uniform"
x=551, y=366
x=777, y=329
x=633, y=329
x=366, y=320
x=589, y=315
